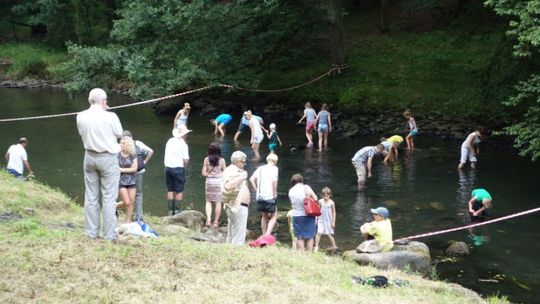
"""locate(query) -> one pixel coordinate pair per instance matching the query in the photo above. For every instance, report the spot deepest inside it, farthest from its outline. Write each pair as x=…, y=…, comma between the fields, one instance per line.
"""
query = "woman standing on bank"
x=127, y=160
x=303, y=225
x=213, y=166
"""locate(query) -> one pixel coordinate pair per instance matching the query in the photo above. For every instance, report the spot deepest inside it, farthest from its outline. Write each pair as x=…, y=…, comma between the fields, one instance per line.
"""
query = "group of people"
x=114, y=165
x=255, y=124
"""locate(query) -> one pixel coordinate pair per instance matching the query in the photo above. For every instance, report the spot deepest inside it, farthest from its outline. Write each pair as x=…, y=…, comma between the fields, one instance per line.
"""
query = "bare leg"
x=221, y=129
x=309, y=245
x=217, y=214
x=317, y=241
x=320, y=140
x=300, y=245
x=271, y=222
x=473, y=165
x=264, y=223
x=236, y=136
x=309, y=137
x=325, y=141
x=332, y=241
x=255, y=147
x=130, y=207
x=208, y=209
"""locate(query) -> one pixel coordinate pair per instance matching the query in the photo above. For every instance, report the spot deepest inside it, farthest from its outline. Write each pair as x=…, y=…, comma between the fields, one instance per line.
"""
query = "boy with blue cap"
x=380, y=229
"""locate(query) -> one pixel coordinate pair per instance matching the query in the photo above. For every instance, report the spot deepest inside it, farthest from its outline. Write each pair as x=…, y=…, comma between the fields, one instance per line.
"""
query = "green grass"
x=44, y=261
x=30, y=59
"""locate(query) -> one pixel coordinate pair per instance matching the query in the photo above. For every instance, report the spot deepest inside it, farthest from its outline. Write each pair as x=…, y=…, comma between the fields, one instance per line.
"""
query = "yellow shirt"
x=382, y=232
x=395, y=139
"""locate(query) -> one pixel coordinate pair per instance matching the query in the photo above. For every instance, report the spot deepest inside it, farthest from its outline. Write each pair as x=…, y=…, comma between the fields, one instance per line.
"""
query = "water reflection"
x=410, y=169
x=389, y=176
x=360, y=212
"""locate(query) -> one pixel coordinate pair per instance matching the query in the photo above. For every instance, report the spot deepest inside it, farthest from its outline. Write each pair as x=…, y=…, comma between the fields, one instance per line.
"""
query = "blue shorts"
x=272, y=147
x=323, y=128
x=304, y=227
x=242, y=127
x=175, y=179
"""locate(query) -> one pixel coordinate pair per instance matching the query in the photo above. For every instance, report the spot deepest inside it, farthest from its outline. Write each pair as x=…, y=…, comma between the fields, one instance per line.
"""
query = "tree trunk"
x=385, y=27
x=110, y=12
x=336, y=36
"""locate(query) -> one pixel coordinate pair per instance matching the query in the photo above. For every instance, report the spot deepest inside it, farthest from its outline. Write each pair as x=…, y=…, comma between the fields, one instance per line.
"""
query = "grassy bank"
x=30, y=59
x=47, y=259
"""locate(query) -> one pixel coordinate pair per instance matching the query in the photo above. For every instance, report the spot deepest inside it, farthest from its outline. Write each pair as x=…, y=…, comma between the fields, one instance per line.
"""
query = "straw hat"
x=180, y=131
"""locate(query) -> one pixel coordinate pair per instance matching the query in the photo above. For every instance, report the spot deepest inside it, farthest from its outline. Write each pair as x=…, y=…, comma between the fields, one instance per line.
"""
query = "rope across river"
x=154, y=100
x=470, y=226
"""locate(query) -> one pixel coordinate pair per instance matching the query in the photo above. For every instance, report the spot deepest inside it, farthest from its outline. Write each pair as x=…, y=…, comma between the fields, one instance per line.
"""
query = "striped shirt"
x=364, y=154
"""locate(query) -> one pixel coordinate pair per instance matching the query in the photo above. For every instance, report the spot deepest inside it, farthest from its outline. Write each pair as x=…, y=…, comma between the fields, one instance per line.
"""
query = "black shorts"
x=175, y=179
x=268, y=206
x=127, y=186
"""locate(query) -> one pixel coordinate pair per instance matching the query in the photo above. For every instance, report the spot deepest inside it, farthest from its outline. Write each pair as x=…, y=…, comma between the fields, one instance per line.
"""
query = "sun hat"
x=381, y=211
x=272, y=126
x=180, y=131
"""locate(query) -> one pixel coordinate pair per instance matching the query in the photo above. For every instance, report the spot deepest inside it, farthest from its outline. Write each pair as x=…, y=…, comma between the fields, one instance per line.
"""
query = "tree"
x=525, y=27
x=169, y=45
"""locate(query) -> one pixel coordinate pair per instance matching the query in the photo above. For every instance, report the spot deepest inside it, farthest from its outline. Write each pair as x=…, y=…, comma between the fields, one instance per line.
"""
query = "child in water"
x=413, y=131
x=273, y=137
x=327, y=219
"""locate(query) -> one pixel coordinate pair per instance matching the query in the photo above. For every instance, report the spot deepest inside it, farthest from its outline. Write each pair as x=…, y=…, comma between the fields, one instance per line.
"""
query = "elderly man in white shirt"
x=100, y=131
x=17, y=159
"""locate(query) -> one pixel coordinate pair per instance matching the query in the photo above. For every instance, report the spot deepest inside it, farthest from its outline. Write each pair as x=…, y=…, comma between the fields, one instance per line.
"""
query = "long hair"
x=129, y=145
x=214, y=154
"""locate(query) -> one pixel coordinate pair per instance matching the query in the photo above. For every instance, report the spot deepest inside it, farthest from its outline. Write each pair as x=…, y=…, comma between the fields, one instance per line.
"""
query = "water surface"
x=423, y=191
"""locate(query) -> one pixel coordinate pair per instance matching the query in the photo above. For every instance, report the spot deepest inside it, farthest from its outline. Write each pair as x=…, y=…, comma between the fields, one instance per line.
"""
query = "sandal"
x=207, y=224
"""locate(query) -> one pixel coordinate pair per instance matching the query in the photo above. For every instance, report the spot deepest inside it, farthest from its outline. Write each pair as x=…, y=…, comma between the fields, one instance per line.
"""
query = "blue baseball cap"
x=381, y=211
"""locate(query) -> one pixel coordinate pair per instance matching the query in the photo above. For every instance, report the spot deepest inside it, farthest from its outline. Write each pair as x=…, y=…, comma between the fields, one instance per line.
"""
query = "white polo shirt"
x=99, y=130
x=17, y=154
x=176, y=151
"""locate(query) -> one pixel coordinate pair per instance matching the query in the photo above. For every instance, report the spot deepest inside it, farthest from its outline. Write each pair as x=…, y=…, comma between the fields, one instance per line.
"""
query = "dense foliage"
x=525, y=27
x=162, y=47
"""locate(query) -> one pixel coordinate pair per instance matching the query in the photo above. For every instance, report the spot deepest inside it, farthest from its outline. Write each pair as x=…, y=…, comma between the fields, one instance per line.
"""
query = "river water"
x=423, y=191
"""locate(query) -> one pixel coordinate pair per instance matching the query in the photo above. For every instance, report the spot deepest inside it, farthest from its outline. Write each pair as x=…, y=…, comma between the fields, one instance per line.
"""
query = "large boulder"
x=458, y=249
x=413, y=256
x=191, y=219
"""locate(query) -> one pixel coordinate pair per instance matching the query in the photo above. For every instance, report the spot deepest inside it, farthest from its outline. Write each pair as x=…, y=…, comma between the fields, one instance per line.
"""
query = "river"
x=423, y=191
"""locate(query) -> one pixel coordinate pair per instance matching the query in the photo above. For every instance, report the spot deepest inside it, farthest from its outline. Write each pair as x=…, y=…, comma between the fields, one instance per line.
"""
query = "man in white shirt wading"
x=17, y=159
x=100, y=131
x=176, y=157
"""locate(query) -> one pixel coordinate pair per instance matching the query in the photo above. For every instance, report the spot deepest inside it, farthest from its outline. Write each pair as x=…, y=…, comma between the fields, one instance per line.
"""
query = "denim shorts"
x=175, y=179
x=323, y=128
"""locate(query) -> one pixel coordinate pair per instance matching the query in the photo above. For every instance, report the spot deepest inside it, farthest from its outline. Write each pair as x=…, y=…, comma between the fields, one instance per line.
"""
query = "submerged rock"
x=458, y=249
x=413, y=256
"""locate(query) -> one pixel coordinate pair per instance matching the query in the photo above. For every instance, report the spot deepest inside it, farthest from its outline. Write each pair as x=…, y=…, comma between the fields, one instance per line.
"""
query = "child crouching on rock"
x=379, y=231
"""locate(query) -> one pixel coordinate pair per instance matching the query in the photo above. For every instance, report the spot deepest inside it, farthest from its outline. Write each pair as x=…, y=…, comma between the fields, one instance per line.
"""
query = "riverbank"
x=47, y=259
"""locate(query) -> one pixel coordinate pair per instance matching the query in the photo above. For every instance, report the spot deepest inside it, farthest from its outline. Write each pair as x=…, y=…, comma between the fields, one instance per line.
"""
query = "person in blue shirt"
x=220, y=122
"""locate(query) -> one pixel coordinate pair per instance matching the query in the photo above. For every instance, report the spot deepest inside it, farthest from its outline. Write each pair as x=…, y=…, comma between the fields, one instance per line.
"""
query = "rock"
x=176, y=229
x=436, y=205
x=369, y=246
x=458, y=249
x=211, y=235
x=191, y=219
x=413, y=256
x=7, y=216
